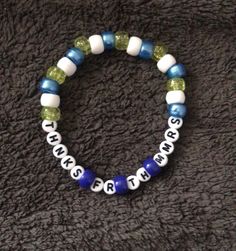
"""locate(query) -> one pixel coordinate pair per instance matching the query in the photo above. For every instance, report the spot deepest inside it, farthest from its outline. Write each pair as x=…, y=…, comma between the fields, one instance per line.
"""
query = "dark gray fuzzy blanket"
x=114, y=115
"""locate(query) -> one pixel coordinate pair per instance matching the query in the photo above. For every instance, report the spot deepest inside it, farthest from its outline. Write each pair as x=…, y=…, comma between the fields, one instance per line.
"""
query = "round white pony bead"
x=76, y=172
x=165, y=63
x=96, y=44
x=50, y=100
x=166, y=147
x=60, y=151
x=54, y=138
x=175, y=123
x=175, y=97
x=134, y=46
x=49, y=126
x=133, y=182
x=161, y=159
x=171, y=135
x=109, y=187
x=97, y=185
x=66, y=65
x=68, y=162
x=143, y=175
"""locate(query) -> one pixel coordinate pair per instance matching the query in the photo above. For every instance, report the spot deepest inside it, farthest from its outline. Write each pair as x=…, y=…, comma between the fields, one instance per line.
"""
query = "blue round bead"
x=177, y=110
x=151, y=166
x=121, y=185
x=146, y=50
x=47, y=85
x=87, y=179
x=176, y=71
x=75, y=55
x=108, y=38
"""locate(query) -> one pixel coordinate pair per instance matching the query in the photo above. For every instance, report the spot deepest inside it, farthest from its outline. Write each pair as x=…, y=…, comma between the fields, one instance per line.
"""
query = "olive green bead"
x=121, y=40
x=175, y=84
x=159, y=51
x=50, y=113
x=83, y=44
x=56, y=74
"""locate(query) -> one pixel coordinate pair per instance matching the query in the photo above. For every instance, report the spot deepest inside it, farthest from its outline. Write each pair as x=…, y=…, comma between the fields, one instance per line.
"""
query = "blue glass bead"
x=75, y=55
x=176, y=71
x=151, y=166
x=87, y=179
x=108, y=38
x=121, y=184
x=146, y=50
x=47, y=85
x=177, y=110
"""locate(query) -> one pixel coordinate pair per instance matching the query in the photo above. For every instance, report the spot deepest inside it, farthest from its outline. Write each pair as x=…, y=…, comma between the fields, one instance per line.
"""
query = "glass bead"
x=176, y=71
x=177, y=110
x=121, y=184
x=108, y=39
x=175, y=84
x=47, y=85
x=83, y=44
x=146, y=50
x=159, y=51
x=75, y=55
x=50, y=113
x=56, y=74
x=87, y=178
x=121, y=40
x=151, y=166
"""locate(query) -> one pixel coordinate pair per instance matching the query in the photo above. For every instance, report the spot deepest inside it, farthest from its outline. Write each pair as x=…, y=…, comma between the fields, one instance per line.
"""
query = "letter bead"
x=166, y=147
x=96, y=44
x=175, y=123
x=67, y=66
x=76, y=172
x=171, y=135
x=143, y=175
x=60, y=151
x=109, y=187
x=50, y=100
x=97, y=185
x=134, y=46
x=54, y=138
x=49, y=126
x=133, y=182
x=68, y=162
x=161, y=159
x=175, y=97
x=165, y=63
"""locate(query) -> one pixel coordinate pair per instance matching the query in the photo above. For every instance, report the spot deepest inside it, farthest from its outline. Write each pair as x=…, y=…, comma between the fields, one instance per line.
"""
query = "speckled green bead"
x=56, y=74
x=159, y=51
x=175, y=84
x=121, y=40
x=83, y=44
x=50, y=113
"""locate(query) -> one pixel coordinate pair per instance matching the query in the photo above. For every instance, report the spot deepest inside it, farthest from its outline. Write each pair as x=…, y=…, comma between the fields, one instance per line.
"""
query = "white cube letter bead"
x=66, y=65
x=166, y=147
x=54, y=138
x=143, y=175
x=96, y=44
x=171, y=135
x=68, y=162
x=50, y=100
x=165, y=63
x=76, y=172
x=60, y=151
x=175, y=123
x=161, y=159
x=109, y=187
x=133, y=182
x=134, y=46
x=175, y=97
x=49, y=126
x=97, y=185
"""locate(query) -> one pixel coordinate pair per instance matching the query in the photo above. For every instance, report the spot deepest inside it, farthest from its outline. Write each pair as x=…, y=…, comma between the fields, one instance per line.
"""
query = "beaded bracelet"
x=67, y=66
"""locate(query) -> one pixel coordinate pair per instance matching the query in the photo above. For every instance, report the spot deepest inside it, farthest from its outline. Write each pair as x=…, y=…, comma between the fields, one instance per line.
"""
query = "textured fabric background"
x=114, y=115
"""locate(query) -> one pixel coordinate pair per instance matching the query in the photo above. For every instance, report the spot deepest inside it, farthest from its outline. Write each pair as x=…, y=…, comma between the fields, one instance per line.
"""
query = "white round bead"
x=68, y=162
x=54, y=138
x=143, y=175
x=66, y=65
x=109, y=187
x=165, y=63
x=171, y=135
x=166, y=147
x=175, y=123
x=50, y=100
x=76, y=172
x=133, y=182
x=60, y=151
x=97, y=185
x=175, y=97
x=96, y=44
x=134, y=46
x=49, y=126
x=161, y=159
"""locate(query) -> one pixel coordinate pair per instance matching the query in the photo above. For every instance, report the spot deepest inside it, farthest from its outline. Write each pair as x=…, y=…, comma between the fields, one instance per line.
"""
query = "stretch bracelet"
x=67, y=66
